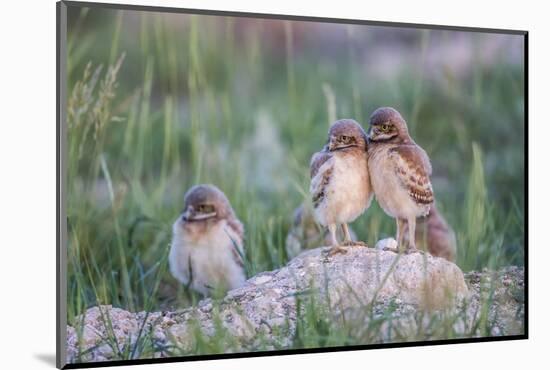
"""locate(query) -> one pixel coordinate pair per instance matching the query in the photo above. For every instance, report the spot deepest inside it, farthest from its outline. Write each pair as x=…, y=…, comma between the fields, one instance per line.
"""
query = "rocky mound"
x=403, y=294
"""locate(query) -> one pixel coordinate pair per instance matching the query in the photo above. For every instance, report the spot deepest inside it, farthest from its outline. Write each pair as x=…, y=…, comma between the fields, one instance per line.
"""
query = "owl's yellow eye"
x=205, y=208
x=385, y=127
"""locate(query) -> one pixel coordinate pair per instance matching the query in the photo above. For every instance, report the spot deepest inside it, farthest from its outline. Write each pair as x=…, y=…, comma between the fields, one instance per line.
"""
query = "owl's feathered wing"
x=413, y=169
x=236, y=233
x=320, y=173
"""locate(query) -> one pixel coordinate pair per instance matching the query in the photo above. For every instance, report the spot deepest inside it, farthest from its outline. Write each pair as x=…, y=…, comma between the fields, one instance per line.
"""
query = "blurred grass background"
x=159, y=102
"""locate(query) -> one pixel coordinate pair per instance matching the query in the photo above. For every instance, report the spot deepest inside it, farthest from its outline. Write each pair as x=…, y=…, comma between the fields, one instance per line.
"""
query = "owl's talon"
x=335, y=250
x=351, y=243
x=390, y=249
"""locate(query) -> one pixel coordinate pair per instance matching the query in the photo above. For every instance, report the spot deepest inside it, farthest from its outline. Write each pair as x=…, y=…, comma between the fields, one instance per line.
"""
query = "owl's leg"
x=400, y=233
x=332, y=231
x=347, y=238
x=412, y=228
x=335, y=248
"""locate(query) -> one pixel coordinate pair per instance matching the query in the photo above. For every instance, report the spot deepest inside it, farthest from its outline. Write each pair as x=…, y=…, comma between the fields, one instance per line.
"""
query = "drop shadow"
x=46, y=358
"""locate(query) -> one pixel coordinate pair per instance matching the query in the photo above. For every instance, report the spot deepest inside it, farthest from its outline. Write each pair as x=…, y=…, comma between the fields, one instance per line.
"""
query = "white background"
x=27, y=188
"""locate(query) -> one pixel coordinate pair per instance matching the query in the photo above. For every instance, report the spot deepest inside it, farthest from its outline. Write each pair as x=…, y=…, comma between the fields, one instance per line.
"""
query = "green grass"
x=166, y=105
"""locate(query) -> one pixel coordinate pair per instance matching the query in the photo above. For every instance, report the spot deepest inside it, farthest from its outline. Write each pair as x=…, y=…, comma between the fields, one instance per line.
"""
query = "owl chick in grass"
x=207, y=242
x=340, y=186
x=305, y=233
x=400, y=173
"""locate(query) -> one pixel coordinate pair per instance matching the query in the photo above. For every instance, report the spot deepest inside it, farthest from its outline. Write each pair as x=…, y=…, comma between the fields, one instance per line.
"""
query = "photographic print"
x=240, y=184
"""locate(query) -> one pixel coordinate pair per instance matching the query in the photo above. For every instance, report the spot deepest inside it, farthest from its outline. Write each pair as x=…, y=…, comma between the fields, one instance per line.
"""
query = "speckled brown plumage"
x=340, y=186
x=413, y=168
x=317, y=161
x=400, y=171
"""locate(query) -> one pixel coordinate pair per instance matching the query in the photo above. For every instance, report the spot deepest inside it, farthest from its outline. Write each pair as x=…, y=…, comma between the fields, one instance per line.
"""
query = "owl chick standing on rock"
x=207, y=242
x=340, y=186
x=400, y=172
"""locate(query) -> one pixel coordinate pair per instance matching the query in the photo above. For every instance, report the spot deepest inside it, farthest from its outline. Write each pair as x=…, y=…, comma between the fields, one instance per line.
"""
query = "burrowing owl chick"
x=340, y=186
x=305, y=233
x=435, y=235
x=207, y=242
x=399, y=171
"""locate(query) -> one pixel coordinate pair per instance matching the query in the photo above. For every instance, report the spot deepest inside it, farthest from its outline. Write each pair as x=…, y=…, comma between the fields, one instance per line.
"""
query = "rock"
x=378, y=296
x=505, y=291
x=387, y=243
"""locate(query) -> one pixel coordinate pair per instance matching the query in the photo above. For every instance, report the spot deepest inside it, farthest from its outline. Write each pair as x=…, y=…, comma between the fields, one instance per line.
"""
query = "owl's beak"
x=331, y=143
x=369, y=133
x=188, y=214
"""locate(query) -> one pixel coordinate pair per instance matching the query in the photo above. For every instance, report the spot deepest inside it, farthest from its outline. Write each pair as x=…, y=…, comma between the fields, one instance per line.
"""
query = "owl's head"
x=387, y=125
x=346, y=133
x=205, y=202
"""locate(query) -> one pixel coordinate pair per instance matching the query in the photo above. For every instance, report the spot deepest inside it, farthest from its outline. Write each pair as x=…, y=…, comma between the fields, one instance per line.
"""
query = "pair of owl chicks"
x=207, y=244
x=385, y=163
